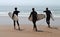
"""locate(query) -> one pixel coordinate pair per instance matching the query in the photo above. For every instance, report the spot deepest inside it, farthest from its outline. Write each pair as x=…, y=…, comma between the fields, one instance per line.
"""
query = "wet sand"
x=27, y=31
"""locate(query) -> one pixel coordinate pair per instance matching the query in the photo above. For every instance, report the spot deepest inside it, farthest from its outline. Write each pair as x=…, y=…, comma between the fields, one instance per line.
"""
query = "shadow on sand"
x=54, y=28
x=20, y=29
x=40, y=31
x=43, y=31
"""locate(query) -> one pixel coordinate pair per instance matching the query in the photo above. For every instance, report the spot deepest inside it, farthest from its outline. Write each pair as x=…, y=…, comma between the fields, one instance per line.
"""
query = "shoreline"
x=26, y=14
x=5, y=20
x=27, y=31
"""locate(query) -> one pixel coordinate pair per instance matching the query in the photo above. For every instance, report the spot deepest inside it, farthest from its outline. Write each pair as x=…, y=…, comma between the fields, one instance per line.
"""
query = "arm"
x=36, y=14
x=30, y=15
x=50, y=12
x=44, y=11
x=52, y=17
x=12, y=15
x=18, y=11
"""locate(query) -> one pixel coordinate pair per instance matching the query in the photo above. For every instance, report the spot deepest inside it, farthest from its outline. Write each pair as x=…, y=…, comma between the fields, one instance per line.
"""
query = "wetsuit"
x=48, y=12
x=16, y=12
x=34, y=18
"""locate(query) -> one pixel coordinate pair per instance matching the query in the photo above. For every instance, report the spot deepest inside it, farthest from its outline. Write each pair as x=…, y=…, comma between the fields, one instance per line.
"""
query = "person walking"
x=34, y=18
x=16, y=12
x=48, y=14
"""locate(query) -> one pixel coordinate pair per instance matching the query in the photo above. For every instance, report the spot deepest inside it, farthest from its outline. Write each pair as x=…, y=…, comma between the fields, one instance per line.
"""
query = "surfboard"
x=15, y=16
x=52, y=17
x=39, y=17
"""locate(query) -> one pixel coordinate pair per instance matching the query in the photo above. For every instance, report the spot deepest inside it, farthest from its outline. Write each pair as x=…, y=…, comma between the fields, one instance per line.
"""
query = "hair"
x=33, y=8
x=47, y=8
x=15, y=8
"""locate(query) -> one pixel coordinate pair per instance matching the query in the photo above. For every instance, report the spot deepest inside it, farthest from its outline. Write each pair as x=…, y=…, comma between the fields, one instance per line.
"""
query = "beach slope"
x=26, y=31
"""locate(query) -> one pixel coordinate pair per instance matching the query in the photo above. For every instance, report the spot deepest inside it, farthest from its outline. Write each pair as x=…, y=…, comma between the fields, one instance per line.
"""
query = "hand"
x=12, y=17
x=29, y=18
x=53, y=19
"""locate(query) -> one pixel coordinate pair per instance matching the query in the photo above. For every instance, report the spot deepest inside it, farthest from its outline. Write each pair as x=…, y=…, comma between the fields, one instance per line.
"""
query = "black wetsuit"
x=34, y=18
x=48, y=12
x=15, y=12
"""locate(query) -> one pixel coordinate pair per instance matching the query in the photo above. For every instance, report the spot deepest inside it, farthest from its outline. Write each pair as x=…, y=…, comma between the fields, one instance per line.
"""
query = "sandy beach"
x=26, y=31
x=7, y=30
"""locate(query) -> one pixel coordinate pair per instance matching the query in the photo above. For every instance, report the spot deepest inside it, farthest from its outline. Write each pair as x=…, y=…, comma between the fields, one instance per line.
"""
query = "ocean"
x=26, y=10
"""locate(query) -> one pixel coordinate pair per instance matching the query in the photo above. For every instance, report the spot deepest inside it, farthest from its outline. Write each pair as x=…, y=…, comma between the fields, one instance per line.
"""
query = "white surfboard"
x=39, y=17
x=15, y=16
x=52, y=17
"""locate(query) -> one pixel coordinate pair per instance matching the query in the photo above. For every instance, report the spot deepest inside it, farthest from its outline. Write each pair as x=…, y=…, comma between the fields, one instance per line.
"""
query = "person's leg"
x=34, y=27
x=14, y=24
x=18, y=25
x=48, y=22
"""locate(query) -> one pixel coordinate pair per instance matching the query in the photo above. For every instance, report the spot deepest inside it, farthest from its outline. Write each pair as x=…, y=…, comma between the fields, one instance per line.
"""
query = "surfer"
x=16, y=12
x=34, y=18
x=48, y=14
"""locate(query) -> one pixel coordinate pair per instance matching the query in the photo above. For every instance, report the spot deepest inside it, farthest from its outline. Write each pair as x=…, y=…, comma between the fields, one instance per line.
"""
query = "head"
x=15, y=8
x=33, y=9
x=46, y=8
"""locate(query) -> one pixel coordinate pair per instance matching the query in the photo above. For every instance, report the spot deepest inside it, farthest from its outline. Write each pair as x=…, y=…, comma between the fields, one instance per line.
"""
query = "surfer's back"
x=16, y=12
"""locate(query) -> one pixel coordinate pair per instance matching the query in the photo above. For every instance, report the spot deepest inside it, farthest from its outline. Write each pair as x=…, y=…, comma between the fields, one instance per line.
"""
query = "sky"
x=30, y=2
